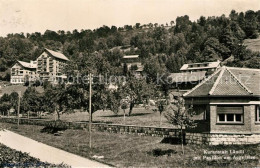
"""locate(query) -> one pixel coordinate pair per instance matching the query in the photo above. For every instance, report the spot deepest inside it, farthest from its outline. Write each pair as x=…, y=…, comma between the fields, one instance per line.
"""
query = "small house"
x=203, y=66
x=227, y=107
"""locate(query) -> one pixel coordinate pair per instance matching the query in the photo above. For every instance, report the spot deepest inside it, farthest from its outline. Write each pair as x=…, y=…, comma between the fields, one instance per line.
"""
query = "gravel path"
x=44, y=152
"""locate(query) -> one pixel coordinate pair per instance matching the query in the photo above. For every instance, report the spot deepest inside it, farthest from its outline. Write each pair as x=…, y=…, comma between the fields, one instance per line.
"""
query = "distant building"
x=23, y=71
x=50, y=65
x=190, y=75
x=227, y=103
x=183, y=82
x=186, y=80
x=133, y=63
x=204, y=66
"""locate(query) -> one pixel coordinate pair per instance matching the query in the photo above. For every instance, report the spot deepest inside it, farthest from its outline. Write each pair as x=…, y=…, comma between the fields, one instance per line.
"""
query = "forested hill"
x=161, y=47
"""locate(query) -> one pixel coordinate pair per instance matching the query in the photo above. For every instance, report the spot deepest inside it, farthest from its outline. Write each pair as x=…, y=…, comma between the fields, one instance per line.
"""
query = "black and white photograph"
x=130, y=83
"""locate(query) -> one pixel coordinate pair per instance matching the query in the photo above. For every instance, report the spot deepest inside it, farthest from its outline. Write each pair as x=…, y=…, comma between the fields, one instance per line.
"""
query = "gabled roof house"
x=228, y=102
x=50, y=65
x=23, y=71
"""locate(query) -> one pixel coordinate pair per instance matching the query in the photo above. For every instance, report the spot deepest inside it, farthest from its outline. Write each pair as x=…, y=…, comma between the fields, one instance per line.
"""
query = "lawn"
x=140, y=116
x=8, y=89
x=252, y=44
x=123, y=150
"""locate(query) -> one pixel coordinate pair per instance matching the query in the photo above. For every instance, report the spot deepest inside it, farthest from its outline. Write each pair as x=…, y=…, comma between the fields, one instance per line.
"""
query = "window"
x=230, y=114
x=257, y=113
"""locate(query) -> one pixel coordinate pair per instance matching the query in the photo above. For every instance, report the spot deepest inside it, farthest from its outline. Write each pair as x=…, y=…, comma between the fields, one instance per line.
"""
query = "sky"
x=29, y=16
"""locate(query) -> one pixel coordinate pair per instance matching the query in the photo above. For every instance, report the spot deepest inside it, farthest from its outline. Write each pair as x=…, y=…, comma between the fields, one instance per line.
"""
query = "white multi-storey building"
x=23, y=71
x=48, y=66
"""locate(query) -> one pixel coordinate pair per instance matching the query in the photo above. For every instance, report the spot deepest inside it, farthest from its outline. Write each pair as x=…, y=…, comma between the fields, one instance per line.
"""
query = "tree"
x=172, y=23
x=55, y=99
x=152, y=68
x=181, y=117
x=125, y=69
x=113, y=101
x=214, y=50
x=5, y=107
x=32, y=101
x=14, y=100
x=251, y=24
x=137, y=25
x=124, y=106
x=136, y=91
x=5, y=104
x=161, y=104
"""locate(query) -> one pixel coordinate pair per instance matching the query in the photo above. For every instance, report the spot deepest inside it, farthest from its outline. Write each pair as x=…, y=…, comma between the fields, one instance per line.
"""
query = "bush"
x=159, y=152
x=54, y=127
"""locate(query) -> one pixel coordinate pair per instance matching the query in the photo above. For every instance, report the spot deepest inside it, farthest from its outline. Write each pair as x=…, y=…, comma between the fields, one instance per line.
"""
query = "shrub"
x=159, y=152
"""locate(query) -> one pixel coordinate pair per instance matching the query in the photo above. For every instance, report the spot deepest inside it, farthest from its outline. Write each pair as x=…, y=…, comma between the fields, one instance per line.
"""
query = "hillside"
x=161, y=48
x=252, y=44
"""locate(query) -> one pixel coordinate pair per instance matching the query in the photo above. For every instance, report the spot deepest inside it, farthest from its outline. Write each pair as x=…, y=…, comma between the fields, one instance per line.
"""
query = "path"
x=44, y=152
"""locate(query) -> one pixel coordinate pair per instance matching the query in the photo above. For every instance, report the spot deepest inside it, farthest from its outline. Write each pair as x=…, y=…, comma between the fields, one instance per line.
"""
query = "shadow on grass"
x=160, y=152
x=172, y=140
x=132, y=115
x=102, y=122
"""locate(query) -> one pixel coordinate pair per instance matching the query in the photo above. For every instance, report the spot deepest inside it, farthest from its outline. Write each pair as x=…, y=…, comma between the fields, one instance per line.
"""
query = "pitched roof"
x=229, y=81
x=249, y=77
x=57, y=54
x=187, y=76
x=27, y=64
x=209, y=65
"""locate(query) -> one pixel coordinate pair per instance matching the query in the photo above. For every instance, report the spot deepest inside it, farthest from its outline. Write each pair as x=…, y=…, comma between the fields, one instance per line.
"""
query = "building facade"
x=204, y=66
x=227, y=106
x=133, y=64
x=50, y=65
x=23, y=71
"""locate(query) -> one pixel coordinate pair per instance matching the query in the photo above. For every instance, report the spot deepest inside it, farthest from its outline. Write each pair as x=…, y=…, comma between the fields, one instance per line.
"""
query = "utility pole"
x=90, y=113
x=18, y=109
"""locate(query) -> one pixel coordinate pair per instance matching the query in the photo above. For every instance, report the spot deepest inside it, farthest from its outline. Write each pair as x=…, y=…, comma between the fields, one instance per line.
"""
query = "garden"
x=122, y=150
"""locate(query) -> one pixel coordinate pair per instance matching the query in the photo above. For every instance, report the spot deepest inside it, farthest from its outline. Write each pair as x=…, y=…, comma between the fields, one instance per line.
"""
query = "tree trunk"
x=124, y=116
x=160, y=119
x=182, y=147
x=58, y=114
x=131, y=108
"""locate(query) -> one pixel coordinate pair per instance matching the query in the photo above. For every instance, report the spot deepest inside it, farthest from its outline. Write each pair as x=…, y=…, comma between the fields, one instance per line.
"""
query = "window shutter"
x=229, y=110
